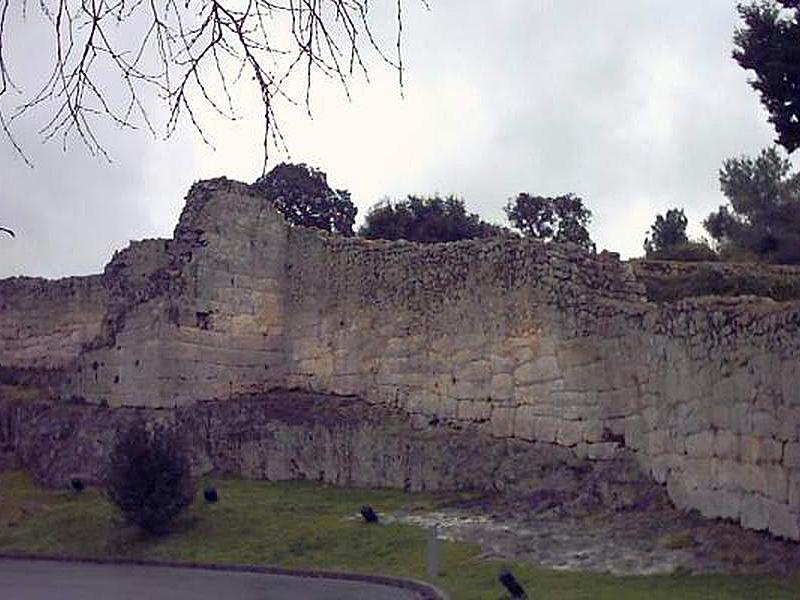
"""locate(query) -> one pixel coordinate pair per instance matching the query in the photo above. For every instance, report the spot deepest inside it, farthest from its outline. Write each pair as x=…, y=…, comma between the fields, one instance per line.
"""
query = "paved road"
x=44, y=580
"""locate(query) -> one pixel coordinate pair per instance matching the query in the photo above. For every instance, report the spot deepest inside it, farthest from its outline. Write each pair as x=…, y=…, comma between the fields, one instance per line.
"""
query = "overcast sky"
x=631, y=104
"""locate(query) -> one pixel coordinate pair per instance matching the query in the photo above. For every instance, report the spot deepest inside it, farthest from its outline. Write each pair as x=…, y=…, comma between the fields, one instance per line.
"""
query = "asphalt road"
x=44, y=580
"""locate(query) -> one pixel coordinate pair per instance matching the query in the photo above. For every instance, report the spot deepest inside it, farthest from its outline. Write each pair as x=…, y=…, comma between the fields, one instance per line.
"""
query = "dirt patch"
x=563, y=529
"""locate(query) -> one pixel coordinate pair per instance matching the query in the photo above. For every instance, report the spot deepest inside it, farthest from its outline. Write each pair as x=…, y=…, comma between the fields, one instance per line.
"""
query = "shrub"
x=149, y=477
x=685, y=252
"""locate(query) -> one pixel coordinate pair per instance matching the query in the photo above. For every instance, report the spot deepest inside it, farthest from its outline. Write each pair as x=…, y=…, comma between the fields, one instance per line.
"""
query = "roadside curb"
x=421, y=589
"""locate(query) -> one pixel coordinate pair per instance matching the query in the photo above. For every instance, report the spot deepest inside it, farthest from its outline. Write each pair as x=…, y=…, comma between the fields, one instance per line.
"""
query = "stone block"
x=765, y=424
x=788, y=422
x=478, y=371
x=742, y=418
x=755, y=512
x=469, y=390
x=790, y=378
x=726, y=445
x=524, y=424
x=593, y=431
x=501, y=364
x=700, y=445
x=536, y=393
x=399, y=347
x=569, y=433
x=658, y=442
x=679, y=492
x=602, y=451
x=545, y=429
x=777, y=483
x=617, y=403
x=784, y=522
x=502, y=421
x=794, y=489
x=501, y=387
x=791, y=455
x=722, y=504
x=474, y=410
x=755, y=478
x=697, y=472
x=731, y=474
x=760, y=450
x=576, y=353
x=539, y=370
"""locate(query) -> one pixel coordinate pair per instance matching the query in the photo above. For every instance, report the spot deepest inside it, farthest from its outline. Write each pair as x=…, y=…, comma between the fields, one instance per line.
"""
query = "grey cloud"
x=633, y=105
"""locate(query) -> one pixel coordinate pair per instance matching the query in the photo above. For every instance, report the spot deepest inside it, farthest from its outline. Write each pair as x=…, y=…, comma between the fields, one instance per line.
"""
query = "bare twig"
x=190, y=53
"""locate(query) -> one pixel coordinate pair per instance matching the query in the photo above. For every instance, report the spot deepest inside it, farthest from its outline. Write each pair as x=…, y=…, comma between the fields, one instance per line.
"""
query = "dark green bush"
x=149, y=477
x=685, y=252
x=709, y=280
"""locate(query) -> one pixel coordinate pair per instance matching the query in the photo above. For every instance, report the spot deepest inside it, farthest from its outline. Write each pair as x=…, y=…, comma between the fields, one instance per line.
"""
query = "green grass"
x=306, y=525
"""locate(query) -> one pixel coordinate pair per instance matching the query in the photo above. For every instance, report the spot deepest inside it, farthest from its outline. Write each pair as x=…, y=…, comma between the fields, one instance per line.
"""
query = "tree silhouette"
x=560, y=219
x=302, y=194
x=668, y=231
x=427, y=220
x=769, y=45
x=189, y=53
x=762, y=220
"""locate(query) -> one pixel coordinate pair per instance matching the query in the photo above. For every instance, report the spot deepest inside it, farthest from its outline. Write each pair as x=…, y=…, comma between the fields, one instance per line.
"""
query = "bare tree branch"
x=190, y=54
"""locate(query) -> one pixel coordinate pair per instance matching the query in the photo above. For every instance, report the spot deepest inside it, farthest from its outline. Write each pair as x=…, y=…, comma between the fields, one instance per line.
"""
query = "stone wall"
x=285, y=436
x=45, y=324
x=514, y=339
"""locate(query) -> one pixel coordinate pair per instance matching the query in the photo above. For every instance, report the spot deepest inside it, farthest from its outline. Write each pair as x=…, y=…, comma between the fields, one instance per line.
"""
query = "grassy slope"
x=306, y=525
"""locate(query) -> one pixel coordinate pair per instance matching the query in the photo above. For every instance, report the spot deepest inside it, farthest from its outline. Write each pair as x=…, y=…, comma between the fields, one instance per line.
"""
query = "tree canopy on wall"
x=667, y=240
x=769, y=45
x=302, y=194
x=558, y=219
x=667, y=231
x=426, y=220
x=762, y=219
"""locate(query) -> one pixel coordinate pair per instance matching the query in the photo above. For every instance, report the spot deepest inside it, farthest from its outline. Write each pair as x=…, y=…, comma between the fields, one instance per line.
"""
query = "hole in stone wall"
x=204, y=319
x=136, y=363
x=610, y=436
x=95, y=366
x=116, y=378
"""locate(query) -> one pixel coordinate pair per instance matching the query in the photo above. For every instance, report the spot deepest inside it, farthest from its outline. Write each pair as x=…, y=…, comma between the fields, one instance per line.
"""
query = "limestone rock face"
x=525, y=342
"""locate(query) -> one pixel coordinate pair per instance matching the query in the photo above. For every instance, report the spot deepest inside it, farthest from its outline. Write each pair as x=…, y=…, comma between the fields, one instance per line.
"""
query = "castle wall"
x=529, y=342
x=209, y=323
x=721, y=426
x=45, y=324
x=515, y=337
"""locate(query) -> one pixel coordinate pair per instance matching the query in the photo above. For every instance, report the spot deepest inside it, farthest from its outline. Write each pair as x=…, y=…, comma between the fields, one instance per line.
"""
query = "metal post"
x=434, y=551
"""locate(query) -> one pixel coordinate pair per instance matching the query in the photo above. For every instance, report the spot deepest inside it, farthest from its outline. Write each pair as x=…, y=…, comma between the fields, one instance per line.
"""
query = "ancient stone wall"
x=45, y=324
x=283, y=436
x=720, y=425
x=515, y=339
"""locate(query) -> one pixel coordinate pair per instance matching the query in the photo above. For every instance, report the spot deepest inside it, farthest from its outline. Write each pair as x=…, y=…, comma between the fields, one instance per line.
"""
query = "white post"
x=434, y=551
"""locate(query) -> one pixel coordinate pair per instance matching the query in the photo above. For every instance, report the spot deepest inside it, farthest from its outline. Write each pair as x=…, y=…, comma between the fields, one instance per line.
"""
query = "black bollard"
x=370, y=516
x=77, y=485
x=210, y=494
x=512, y=585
